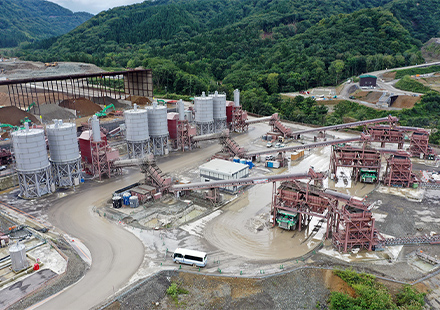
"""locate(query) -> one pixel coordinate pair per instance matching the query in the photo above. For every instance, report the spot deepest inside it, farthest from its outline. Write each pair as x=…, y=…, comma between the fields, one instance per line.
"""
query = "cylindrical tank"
x=136, y=124
x=219, y=106
x=30, y=149
x=204, y=109
x=19, y=261
x=63, y=143
x=117, y=202
x=236, y=98
x=189, y=115
x=157, y=121
x=134, y=201
x=181, y=107
x=126, y=197
x=96, y=131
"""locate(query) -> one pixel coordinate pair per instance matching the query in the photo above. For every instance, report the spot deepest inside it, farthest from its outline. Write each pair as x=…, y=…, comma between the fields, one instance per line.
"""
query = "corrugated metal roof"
x=367, y=76
x=224, y=166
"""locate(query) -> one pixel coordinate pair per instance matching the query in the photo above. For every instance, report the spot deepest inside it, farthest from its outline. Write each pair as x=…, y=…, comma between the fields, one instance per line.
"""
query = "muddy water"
x=244, y=229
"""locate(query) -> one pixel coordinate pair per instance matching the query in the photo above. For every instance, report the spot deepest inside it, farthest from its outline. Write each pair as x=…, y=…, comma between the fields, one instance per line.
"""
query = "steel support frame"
x=34, y=184
x=355, y=158
x=158, y=144
x=350, y=225
x=138, y=149
x=100, y=164
x=277, y=126
x=66, y=174
x=419, y=144
x=387, y=134
x=183, y=135
x=399, y=171
x=231, y=147
x=204, y=128
x=239, y=117
x=220, y=125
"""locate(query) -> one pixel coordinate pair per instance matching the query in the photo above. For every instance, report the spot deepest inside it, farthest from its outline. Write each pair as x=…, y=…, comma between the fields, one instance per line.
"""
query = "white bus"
x=190, y=257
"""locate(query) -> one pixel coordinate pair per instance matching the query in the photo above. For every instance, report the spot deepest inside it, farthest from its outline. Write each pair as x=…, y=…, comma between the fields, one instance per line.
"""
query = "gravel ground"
x=49, y=112
x=76, y=269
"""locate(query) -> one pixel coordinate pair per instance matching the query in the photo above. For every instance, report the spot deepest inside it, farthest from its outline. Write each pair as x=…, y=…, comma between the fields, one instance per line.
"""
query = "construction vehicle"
x=103, y=113
x=286, y=220
x=161, y=101
x=30, y=106
x=25, y=120
x=51, y=64
x=8, y=126
x=368, y=176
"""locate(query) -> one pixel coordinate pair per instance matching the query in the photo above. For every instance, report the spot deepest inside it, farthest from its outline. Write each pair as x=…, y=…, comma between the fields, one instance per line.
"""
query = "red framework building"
x=277, y=126
x=238, y=119
x=399, y=170
x=349, y=221
x=355, y=158
x=419, y=146
x=386, y=134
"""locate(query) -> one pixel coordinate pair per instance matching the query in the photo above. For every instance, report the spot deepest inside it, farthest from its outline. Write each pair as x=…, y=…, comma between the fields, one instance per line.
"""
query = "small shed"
x=367, y=80
x=220, y=169
x=143, y=192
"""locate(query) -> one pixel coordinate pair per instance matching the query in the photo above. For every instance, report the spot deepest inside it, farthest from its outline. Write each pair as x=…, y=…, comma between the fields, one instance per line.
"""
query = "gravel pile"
x=12, y=115
x=49, y=112
x=108, y=100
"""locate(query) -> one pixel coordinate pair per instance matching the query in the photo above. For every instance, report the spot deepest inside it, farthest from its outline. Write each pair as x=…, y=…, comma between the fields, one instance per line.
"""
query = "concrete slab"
x=20, y=289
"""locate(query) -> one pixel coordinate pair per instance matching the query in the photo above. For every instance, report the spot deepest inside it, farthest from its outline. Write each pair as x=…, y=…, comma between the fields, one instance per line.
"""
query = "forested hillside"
x=262, y=47
x=32, y=20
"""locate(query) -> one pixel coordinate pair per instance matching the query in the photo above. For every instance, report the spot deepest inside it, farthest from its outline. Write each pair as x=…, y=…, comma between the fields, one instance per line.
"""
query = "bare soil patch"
x=13, y=115
x=83, y=106
x=369, y=96
x=139, y=100
x=389, y=76
x=405, y=102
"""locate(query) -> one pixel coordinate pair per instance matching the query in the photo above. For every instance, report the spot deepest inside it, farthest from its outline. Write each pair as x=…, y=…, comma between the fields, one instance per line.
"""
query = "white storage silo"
x=219, y=111
x=158, y=128
x=236, y=98
x=137, y=132
x=32, y=162
x=17, y=252
x=64, y=153
x=181, y=109
x=204, y=114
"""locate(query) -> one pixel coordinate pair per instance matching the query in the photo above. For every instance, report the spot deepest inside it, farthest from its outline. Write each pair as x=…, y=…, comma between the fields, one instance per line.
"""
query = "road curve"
x=116, y=253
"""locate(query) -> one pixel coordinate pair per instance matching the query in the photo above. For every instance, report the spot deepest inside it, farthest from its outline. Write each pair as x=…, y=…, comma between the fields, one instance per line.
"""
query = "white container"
x=63, y=143
x=157, y=121
x=203, y=107
x=219, y=106
x=18, y=257
x=136, y=123
x=30, y=149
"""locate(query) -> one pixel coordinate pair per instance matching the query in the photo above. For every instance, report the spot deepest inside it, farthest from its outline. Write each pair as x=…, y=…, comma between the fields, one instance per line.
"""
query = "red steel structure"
x=399, y=170
x=355, y=158
x=387, y=134
x=238, y=122
x=277, y=126
x=419, y=145
x=349, y=221
x=184, y=134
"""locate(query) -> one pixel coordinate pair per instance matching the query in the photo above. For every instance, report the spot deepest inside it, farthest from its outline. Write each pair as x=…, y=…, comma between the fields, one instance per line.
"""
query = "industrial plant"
x=130, y=154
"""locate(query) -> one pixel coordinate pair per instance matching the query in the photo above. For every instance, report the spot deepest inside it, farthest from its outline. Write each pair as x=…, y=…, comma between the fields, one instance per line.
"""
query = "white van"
x=190, y=257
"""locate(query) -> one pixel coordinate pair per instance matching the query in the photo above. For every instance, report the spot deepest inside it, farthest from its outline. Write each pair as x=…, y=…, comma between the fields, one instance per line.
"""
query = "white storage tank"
x=63, y=143
x=236, y=98
x=30, y=149
x=204, y=109
x=157, y=121
x=181, y=109
x=136, y=122
x=17, y=251
x=219, y=107
x=96, y=129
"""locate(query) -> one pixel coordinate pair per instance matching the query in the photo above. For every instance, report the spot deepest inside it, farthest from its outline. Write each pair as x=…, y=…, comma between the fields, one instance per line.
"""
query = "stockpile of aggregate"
x=83, y=106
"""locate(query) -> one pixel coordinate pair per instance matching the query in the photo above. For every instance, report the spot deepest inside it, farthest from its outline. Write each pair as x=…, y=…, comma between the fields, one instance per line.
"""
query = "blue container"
x=270, y=164
x=236, y=160
x=126, y=198
x=242, y=161
x=250, y=164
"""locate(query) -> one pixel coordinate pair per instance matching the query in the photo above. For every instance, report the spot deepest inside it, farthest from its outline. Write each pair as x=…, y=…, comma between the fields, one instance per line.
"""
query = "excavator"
x=103, y=113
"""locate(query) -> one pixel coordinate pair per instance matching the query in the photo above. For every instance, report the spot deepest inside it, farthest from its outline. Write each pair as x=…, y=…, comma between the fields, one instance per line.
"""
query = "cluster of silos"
x=64, y=153
x=32, y=163
x=137, y=132
x=204, y=114
x=219, y=111
x=158, y=129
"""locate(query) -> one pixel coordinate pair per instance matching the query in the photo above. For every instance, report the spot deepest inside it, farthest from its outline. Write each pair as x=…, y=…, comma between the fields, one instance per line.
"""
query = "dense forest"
x=262, y=47
x=32, y=20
